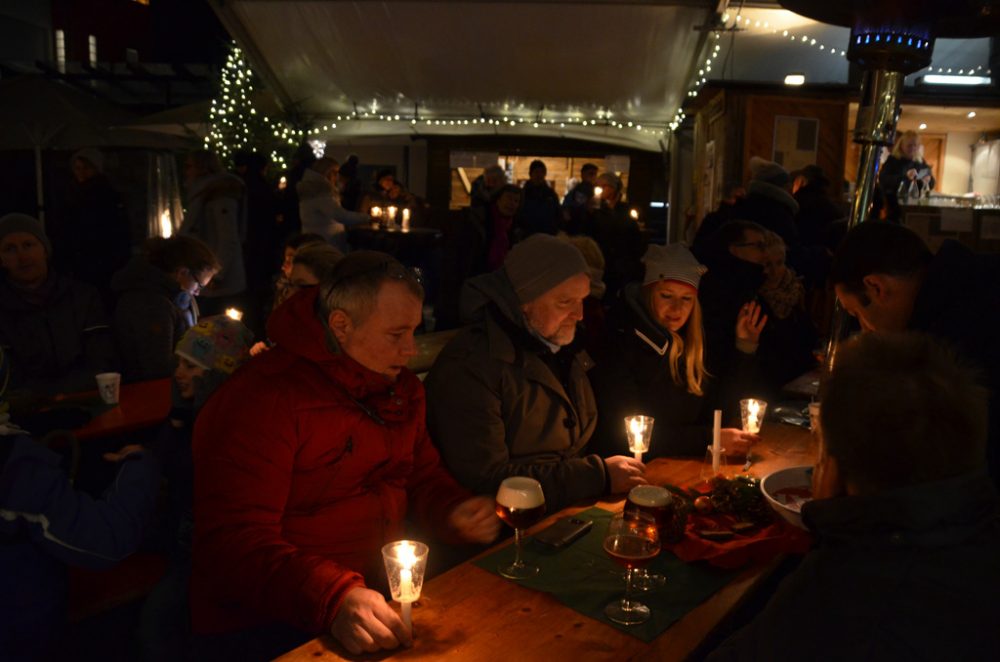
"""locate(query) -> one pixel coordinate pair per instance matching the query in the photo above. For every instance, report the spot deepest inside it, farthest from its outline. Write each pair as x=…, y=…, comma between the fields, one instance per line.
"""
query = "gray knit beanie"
x=12, y=223
x=673, y=262
x=539, y=263
x=769, y=172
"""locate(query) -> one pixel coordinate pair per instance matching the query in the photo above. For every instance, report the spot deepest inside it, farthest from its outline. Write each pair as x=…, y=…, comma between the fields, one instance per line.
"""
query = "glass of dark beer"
x=520, y=503
x=632, y=540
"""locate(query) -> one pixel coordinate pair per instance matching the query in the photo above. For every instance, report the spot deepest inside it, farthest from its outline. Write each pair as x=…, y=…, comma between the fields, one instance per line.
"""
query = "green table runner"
x=583, y=578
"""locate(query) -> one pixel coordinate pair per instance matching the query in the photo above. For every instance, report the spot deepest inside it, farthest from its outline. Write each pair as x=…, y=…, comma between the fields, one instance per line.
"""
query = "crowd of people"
x=291, y=460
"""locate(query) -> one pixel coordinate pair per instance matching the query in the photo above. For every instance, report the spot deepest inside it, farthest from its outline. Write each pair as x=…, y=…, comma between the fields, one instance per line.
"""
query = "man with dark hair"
x=540, y=211
x=509, y=396
x=306, y=462
x=905, y=515
x=885, y=276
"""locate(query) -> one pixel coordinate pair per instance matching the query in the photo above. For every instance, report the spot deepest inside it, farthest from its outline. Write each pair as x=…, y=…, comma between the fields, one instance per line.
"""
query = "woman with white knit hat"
x=656, y=363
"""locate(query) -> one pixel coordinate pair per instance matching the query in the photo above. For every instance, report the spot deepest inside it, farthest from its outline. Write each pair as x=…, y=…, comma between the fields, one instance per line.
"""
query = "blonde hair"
x=897, y=150
x=689, y=350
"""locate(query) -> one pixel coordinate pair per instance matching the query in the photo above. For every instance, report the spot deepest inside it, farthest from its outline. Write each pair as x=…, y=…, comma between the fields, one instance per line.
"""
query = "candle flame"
x=634, y=213
x=598, y=191
x=166, y=225
x=376, y=211
x=406, y=554
x=392, y=211
x=234, y=314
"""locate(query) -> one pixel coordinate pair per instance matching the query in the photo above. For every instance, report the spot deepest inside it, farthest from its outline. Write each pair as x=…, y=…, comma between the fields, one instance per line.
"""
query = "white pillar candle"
x=717, y=442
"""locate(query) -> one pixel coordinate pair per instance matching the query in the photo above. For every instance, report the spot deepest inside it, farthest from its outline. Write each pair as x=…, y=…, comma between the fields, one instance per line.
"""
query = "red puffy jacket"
x=305, y=463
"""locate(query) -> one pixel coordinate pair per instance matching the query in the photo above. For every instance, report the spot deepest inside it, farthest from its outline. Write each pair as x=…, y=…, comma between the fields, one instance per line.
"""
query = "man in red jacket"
x=306, y=462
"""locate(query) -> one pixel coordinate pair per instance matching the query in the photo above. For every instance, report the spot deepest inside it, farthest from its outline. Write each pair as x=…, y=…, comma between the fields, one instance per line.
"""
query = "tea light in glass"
x=752, y=414
x=405, y=562
x=639, y=430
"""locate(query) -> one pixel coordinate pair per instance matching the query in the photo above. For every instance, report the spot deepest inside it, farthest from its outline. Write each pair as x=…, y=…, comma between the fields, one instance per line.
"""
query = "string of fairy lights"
x=236, y=124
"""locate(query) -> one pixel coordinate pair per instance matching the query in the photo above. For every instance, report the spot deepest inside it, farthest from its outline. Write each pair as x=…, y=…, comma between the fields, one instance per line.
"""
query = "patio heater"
x=889, y=39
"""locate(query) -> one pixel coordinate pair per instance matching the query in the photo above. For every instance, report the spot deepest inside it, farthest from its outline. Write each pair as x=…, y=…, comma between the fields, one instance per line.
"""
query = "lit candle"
x=753, y=422
x=634, y=213
x=392, y=213
x=234, y=314
x=282, y=183
x=639, y=429
x=636, y=428
x=376, y=211
x=717, y=442
x=405, y=560
x=598, y=191
x=406, y=220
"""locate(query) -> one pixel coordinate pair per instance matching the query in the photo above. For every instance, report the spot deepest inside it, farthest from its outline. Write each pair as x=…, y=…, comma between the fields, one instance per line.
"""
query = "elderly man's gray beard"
x=554, y=343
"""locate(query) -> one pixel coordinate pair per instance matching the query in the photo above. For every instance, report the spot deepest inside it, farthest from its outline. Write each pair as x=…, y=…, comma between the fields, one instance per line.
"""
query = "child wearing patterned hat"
x=207, y=355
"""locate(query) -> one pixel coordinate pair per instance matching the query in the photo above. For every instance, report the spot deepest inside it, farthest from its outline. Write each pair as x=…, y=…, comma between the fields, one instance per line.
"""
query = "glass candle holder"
x=639, y=430
x=752, y=414
x=405, y=562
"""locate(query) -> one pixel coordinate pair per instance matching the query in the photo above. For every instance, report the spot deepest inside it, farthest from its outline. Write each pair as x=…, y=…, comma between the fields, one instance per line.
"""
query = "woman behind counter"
x=656, y=364
x=904, y=166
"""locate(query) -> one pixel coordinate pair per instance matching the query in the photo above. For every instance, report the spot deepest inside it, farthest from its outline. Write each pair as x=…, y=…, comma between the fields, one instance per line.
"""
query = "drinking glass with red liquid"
x=632, y=541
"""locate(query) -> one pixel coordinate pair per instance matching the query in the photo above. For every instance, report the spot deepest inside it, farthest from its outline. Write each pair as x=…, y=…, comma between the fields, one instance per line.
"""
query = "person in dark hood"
x=93, y=239
x=54, y=329
x=509, y=396
x=157, y=305
x=906, y=519
x=817, y=212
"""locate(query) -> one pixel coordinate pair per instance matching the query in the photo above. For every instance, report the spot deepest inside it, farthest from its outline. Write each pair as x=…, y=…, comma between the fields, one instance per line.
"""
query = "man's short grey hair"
x=354, y=283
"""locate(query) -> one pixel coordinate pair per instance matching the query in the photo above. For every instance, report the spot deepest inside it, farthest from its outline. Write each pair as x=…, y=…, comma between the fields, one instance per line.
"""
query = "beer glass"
x=520, y=503
x=632, y=541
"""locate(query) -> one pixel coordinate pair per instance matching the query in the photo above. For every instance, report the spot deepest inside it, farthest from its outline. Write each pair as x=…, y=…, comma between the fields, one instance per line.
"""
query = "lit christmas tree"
x=235, y=123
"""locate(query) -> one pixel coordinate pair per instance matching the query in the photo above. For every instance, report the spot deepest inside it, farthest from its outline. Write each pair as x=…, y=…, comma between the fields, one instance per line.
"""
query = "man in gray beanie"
x=509, y=396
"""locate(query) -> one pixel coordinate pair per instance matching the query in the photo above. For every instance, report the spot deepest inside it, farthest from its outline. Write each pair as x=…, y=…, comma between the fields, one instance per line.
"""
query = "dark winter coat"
x=959, y=303
x=46, y=525
x=216, y=213
x=634, y=378
x=816, y=215
x=57, y=336
x=497, y=407
x=771, y=207
x=539, y=210
x=910, y=574
x=151, y=316
x=622, y=245
x=306, y=464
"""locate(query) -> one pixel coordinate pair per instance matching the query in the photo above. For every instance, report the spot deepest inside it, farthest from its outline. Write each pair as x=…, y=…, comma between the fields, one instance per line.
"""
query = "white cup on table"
x=109, y=386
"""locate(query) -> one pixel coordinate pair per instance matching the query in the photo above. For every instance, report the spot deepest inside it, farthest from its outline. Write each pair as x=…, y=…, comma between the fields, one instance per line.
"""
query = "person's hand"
x=123, y=452
x=259, y=348
x=475, y=520
x=750, y=322
x=625, y=473
x=911, y=173
x=926, y=179
x=736, y=441
x=365, y=623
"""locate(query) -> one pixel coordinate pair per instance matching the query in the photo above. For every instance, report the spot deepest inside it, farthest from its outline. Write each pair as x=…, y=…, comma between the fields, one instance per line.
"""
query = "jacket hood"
x=296, y=327
x=492, y=288
x=139, y=275
x=216, y=184
x=936, y=514
x=774, y=193
x=313, y=185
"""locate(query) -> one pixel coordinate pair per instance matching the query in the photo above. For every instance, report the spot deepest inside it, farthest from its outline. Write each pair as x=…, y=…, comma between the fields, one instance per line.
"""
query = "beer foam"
x=651, y=496
x=520, y=492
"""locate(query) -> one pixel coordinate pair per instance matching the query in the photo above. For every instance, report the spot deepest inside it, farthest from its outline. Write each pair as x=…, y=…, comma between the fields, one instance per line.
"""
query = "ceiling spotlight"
x=922, y=126
x=971, y=114
x=795, y=79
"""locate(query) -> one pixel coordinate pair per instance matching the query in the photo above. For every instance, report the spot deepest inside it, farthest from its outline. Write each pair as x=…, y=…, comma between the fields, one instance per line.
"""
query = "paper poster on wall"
x=796, y=141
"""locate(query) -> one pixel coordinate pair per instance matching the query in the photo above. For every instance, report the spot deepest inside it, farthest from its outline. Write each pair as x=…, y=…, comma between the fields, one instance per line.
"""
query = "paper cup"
x=108, y=385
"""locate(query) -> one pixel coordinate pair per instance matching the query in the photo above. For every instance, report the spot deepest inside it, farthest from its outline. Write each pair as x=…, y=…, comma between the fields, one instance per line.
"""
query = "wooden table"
x=140, y=405
x=468, y=613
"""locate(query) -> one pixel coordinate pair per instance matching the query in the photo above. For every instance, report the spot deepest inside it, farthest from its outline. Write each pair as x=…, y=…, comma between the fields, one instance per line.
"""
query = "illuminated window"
x=92, y=49
x=61, y=51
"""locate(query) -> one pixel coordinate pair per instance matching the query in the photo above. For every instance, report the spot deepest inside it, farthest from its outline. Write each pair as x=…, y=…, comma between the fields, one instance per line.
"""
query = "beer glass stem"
x=626, y=601
x=517, y=549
